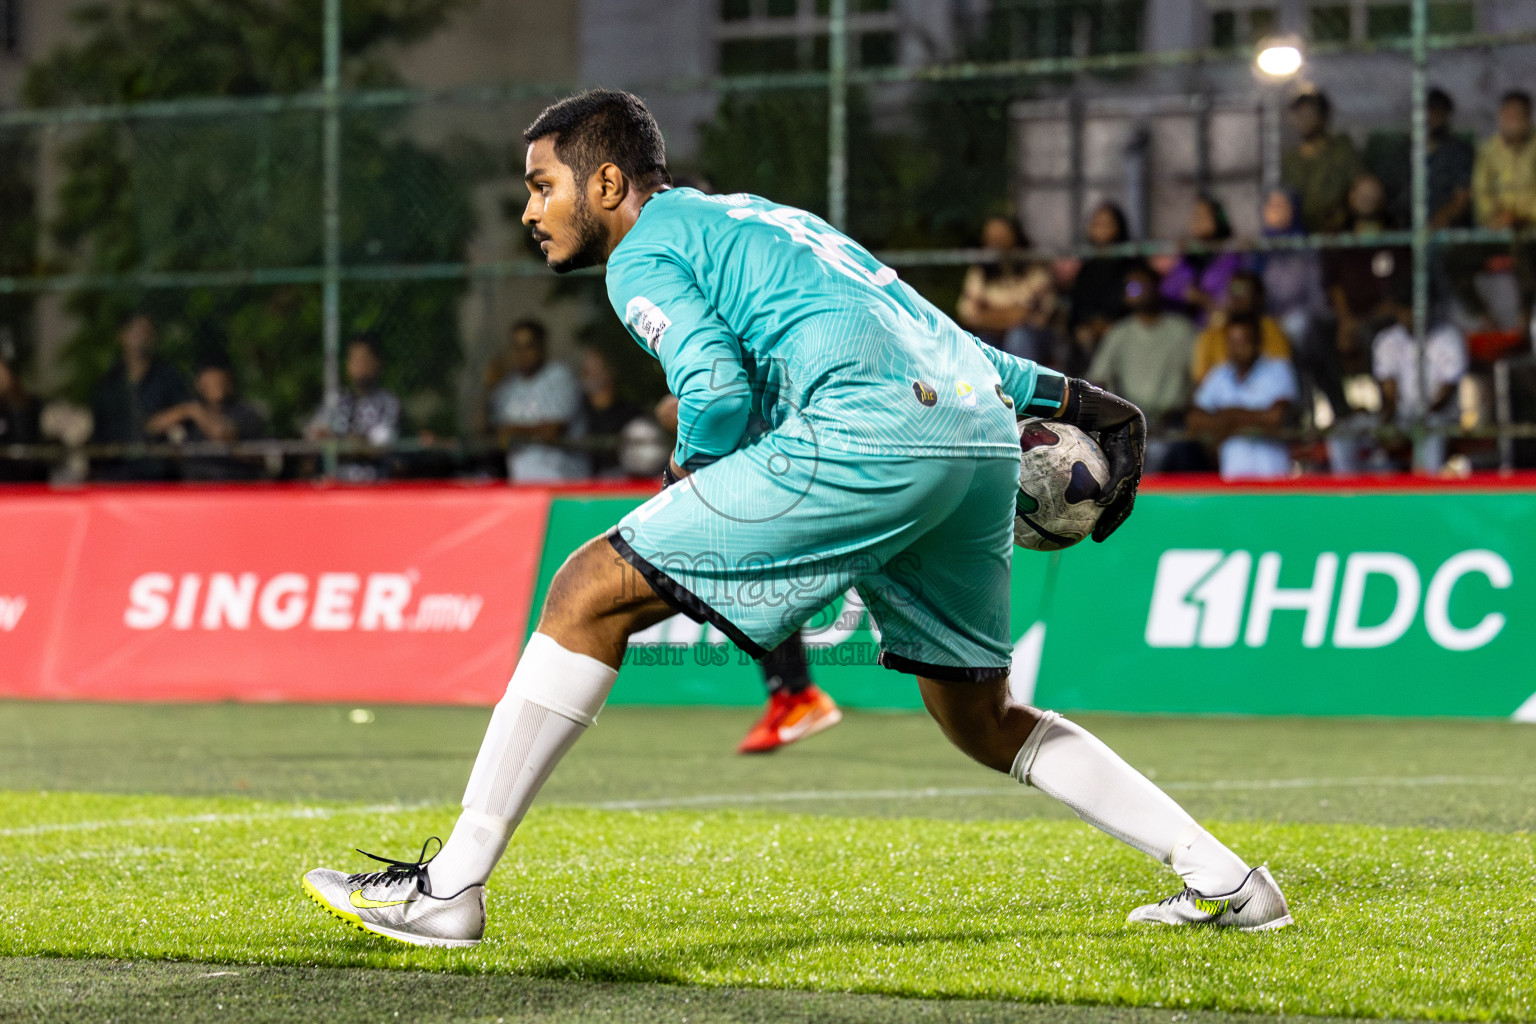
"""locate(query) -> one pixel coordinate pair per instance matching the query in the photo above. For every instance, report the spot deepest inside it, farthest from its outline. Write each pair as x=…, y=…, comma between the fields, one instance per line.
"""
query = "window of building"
x=1242, y=27
x=10, y=26
x=1066, y=28
x=824, y=7
x=759, y=56
x=759, y=37
x=1385, y=20
x=877, y=49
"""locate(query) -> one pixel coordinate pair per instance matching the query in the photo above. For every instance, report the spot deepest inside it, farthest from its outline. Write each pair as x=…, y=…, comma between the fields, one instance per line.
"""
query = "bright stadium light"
x=1279, y=59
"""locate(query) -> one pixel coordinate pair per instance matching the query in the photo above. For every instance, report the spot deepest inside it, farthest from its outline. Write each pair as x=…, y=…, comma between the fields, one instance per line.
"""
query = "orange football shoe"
x=791, y=717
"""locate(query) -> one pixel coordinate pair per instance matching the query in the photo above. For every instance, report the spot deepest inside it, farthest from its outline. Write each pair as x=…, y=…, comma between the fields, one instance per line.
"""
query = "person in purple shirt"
x=1197, y=284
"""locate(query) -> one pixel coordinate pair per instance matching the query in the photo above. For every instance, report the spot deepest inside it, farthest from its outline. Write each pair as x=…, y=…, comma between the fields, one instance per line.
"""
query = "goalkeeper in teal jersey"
x=885, y=459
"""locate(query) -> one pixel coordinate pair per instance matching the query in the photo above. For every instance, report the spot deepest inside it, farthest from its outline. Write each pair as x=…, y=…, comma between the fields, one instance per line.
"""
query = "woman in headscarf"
x=1293, y=284
x=1197, y=284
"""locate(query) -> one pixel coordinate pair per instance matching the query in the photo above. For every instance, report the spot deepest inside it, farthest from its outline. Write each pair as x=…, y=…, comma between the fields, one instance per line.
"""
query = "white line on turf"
x=206, y=819
x=813, y=796
x=806, y=796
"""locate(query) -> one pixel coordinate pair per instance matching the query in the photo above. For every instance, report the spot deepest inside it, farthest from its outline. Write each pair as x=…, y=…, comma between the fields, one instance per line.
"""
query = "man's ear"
x=610, y=187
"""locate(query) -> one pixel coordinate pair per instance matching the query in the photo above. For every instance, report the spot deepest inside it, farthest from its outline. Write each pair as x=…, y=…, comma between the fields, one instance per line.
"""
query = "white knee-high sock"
x=552, y=698
x=1064, y=760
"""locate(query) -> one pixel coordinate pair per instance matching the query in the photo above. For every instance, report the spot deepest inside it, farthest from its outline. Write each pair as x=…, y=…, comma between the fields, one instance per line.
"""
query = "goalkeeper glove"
x=1121, y=431
x=668, y=478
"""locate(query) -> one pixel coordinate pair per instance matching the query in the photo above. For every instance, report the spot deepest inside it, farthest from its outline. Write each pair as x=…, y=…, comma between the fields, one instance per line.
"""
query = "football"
x=1062, y=473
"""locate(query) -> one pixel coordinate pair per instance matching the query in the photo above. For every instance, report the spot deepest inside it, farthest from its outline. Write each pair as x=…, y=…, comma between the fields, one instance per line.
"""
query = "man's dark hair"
x=1317, y=100
x=1248, y=320
x=213, y=361
x=605, y=126
x=368, y=340
x=1438, y=99
x=1519, y=96
x=1254, y=281
x=535, y=328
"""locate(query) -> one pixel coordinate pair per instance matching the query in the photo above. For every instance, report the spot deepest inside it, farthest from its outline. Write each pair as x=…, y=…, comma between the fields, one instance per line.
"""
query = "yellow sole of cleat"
x=358, y=923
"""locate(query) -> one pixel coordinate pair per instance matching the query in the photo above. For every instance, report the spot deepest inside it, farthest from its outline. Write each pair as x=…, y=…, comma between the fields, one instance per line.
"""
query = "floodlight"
x=1279, y=59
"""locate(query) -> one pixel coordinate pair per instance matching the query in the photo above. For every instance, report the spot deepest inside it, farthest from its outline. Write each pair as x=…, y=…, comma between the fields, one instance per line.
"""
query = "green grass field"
x=151, y=858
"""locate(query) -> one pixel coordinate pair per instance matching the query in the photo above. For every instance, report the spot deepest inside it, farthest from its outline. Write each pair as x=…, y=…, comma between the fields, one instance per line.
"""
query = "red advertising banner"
x=379, y=595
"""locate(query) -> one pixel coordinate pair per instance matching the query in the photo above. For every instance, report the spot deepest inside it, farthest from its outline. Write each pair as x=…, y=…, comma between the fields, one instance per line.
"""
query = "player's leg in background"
x=562, y=680
x=797, y=707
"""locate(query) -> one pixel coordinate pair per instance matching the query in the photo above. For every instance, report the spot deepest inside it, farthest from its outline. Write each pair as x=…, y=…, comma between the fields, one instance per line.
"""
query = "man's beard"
x=590, y=240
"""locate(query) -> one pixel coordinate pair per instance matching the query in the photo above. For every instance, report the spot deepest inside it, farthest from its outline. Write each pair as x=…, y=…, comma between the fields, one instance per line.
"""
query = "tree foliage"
x=199, y=193
x=18, y=240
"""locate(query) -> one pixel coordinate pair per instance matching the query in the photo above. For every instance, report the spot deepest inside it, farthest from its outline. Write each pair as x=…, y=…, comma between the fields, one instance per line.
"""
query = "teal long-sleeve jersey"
x=757, y=308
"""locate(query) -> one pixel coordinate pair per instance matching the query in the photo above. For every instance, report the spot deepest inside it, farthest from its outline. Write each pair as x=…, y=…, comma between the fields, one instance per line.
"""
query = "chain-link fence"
x=264, y=216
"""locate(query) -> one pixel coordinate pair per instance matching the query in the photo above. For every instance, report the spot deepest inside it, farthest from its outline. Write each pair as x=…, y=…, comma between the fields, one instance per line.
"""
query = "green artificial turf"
x=1404, y=922
x=149, y=859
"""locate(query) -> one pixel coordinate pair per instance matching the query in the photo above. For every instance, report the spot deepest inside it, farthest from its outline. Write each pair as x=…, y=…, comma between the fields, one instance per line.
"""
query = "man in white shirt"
x=1244, y=403
x=1395, y=365
x=533, y=408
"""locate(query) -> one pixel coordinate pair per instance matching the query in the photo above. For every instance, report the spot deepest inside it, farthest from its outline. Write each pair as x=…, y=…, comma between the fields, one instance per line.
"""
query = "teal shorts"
x=761, y=541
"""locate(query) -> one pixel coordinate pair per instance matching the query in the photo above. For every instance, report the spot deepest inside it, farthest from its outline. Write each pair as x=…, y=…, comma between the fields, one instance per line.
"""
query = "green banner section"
x=1381, y=603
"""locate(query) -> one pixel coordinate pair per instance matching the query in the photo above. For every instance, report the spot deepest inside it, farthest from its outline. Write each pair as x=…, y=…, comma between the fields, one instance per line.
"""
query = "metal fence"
x=270, y=228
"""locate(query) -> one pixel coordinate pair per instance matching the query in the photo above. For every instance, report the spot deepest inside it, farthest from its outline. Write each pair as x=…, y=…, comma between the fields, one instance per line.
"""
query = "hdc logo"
x=1199, y=598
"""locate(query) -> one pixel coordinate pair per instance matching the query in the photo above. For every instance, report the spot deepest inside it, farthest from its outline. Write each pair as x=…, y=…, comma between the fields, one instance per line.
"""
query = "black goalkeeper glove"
x=668, y=478
x=1121, y=431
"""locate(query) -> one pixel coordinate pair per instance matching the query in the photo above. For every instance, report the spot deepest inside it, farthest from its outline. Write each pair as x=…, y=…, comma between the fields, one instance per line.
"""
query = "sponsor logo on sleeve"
x=648, y=321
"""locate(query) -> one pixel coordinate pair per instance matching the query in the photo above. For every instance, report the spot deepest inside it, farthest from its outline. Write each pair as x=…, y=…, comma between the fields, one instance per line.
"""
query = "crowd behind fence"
x=333, y=282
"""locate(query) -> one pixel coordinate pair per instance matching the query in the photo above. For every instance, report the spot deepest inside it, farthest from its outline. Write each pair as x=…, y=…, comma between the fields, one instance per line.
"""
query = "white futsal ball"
x=1062, y=473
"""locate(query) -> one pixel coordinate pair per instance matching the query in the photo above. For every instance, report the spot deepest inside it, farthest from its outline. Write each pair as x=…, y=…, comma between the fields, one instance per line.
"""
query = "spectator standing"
x=1294, y=296
x=1009, y=303
x=1146, y=358
x=1361, y=280
x=1449, y=168
x=1244, y=404
x=1395, y=365
x=18, y=413
x=366, y=412
x=1322, y=165
x=218, y=415
x=1196, y=285
x=604, y=413
x=18, y=425
x=1504, y=186
x=137, y=386
x=534, y=408
x=1245, y=300
x=1097, y=287
x=1448, y=165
